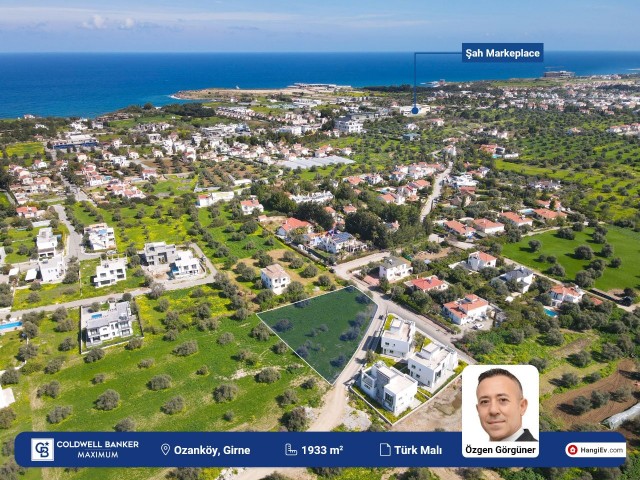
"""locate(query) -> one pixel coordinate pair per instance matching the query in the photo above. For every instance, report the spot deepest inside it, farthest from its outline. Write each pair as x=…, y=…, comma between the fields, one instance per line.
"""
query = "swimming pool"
x=550, y=312
x=6, y=326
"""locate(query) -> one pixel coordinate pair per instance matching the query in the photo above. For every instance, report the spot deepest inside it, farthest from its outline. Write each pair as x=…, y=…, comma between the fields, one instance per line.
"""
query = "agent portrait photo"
x=501, y=405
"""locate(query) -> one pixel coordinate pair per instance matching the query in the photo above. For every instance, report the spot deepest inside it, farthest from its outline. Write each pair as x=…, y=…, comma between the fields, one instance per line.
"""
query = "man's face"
x=500, y=406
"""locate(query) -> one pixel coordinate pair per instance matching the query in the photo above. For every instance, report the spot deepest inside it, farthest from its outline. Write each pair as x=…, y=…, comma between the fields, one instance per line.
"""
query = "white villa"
x=479, y=260
x=465, y=310
x=101, y=236
x=340, y=241
x=394, y=390
x=397, y=339
x=185, y=264
x=432, y=365
x=561, y=293
x=250, y=206
x=107, y=324
x=46, y=243
x=275, y=278
x=522, y=276
x=395, y=268
x=110, y=272
x=52, y=269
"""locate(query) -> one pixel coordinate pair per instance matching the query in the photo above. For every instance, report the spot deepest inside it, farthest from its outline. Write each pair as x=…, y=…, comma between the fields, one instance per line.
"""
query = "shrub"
x=30, y=330
x=173, y=406
x=296, y=420
x=146, y=363
x=622, y=394
x=187, y=348
x=27, y=351
x=160, y=382
x=11, y=376
x=31, y=367
x=203, y=370
x=65, y=325
x=581, y=404
x=210, y=324
x=569, y=380
x=225, y=392
x=539, y=363
x=288, y=397
x=280, y=348
x=125, y=425
x=49, y=389
x=229, y=415
x=599, y=399
x=592, y=378
x=108, y=400
x=261, y=332
x=134, y=343
x=283, y=325
x=60, y=314
x=324, y=280
x=309, y=271
x=67, y=344
x=296, y=263
x=310, y=383
x=94, y=355
x=54, y=365
x=98, y=378
x=58, y=414
x=268, y=375
x=7, y=416
x=226, y=338
x=170, y=335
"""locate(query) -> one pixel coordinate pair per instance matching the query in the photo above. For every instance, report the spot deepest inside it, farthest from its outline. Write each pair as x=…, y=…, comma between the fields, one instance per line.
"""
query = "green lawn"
x=254, y=407
x=317, y=325
x=626, y=245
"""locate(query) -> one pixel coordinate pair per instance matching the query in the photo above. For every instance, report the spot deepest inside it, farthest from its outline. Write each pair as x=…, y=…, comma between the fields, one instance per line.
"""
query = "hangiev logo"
x=42, y=450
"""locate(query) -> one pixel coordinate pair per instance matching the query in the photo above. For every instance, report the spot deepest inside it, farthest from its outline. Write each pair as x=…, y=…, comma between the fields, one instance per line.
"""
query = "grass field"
x=317, y=326
x=255, y=406
x=626, y=245
x=20, y=149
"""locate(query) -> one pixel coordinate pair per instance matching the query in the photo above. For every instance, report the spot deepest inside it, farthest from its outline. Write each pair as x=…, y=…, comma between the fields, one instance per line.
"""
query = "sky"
x=315, y=26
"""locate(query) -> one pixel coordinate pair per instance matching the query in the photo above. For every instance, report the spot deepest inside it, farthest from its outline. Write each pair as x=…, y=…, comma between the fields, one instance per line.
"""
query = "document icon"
x=385, y=450
x=289, y=451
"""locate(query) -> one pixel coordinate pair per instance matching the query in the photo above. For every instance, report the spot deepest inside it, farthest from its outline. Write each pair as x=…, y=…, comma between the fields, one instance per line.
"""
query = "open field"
x=560, y=406
x=255, y=405
x=20, y=149
x=625, y=243
x=317, y=329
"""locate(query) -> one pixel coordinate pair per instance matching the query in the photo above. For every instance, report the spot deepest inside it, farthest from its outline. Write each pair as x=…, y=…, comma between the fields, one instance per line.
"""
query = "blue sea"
x=90, y=84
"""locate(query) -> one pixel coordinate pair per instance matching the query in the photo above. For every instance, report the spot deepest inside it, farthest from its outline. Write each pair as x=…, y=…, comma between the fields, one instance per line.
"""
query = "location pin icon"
x=165, y=448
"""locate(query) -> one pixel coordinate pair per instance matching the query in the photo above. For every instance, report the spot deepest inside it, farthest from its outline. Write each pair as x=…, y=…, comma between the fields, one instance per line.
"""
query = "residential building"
x=292, y=226
x=479, y=260
x=275, y=278
x=516, y=219
x=340, y=241
x=100, y=236
x=46, y=243
x=316, y=197
x=397, y=338
x=208, y=199
x=185, y=264
x=159, y=253
x=106, y=324
x=459, y=229
x=27, y=212
x=395, y=268
x=488, y=227
x=466, y=309
x=432, y=365
x=52, y=269
x=110, y=272
x=522, y=276
x=394, y=390
x=348, y=125
x=562, y=293
x=427, y=284
x=251, y=206
x=546, y=215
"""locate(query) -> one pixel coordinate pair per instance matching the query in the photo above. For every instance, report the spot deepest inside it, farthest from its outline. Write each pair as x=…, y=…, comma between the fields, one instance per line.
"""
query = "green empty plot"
x=326, y=330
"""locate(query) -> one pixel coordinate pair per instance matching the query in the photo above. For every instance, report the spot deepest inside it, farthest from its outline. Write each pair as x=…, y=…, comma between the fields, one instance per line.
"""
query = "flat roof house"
x=52, y=269
x=185, y=264
x=432, y=365
x=397, y=339
x=393, y=389
x=110, y=272
x=100, y=236
x=395, y=268
x=275, y=278
x=106, y=324
x=159, y=253
x=46, y=243
x=521, y=275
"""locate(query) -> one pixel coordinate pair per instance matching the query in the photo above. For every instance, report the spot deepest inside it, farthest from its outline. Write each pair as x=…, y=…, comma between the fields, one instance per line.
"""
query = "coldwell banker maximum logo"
x=42, y=450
